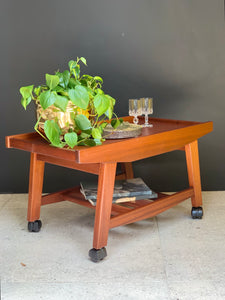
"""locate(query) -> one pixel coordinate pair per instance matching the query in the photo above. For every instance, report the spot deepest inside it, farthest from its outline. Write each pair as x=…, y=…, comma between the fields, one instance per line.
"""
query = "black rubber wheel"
x=34, y=226
x=197, y=212
x=97, y=254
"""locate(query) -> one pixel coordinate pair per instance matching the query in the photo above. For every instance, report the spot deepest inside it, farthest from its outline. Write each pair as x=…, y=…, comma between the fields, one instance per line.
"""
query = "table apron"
x=92, y=168
x=143, y=147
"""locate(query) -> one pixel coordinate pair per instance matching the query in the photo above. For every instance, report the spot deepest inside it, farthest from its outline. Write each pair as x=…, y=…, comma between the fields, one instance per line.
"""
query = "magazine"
x=128, y=190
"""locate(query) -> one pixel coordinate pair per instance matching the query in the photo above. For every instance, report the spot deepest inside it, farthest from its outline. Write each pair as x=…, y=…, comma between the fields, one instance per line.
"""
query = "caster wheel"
x=197, y=212
x=34, y=226
x=97, y=254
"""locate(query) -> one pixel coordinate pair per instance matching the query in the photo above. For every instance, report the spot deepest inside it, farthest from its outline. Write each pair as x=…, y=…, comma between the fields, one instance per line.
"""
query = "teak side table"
x=164, y=136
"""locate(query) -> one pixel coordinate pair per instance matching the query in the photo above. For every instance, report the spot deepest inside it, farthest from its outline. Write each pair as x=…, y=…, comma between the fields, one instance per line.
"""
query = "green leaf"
x=74, y=68
x=52, y=81
x=83, y=135
x=91, y=93
x=115, y=123
x=37, y=90
x=26, y=91
x=83, y=60
x=99, y=91
x=53, y=132
x=82, y=122
x=87, y=77
x=102, y=126
x=71, y=139
x=112, y=100
x=109, y=113
x=98, y=78
x=72, y=64
x=59, y=89
x=25, y=101
x=89, y=142
x=88, y=131
x=73, y=83
x=76, y=71
x=47, y=98
x=79, y=96
x=98, y=142
x=61, y=102
x=64, y=78
x=96, y=133
x=101, y=104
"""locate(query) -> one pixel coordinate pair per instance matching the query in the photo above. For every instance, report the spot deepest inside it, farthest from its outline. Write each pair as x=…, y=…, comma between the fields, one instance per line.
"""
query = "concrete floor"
x=170, y=257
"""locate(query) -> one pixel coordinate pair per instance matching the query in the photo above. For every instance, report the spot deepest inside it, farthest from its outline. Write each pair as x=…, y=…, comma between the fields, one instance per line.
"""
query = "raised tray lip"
x=33, y=142
x=32, y=135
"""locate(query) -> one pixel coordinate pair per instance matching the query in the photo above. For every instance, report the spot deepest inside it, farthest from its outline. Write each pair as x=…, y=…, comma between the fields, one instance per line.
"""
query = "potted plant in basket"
x=71, y=109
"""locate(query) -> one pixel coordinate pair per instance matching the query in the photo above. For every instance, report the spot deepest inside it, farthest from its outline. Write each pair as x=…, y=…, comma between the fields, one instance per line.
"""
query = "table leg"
x=35, y=193
x=192, y=158
x=106, y=181
x=128, y=170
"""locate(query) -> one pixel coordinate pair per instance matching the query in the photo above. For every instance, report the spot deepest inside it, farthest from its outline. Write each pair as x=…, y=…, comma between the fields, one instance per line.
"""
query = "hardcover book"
x=128, y=190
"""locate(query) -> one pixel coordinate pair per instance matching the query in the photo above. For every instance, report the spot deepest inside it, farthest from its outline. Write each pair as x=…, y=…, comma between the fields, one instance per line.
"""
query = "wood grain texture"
x=57, y=196
x=157, y=140
x=164, y=136
x=152, y=209
x=127, y=169
x=35, y=188
x=89, y=168
x=193, y=168
x=104, y=204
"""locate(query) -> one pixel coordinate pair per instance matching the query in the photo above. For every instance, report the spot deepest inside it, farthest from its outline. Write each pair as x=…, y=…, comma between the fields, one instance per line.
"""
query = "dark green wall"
x=171, y=50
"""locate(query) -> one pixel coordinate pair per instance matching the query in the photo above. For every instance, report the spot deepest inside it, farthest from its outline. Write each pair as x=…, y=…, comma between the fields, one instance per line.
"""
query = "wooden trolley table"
x=164, y=136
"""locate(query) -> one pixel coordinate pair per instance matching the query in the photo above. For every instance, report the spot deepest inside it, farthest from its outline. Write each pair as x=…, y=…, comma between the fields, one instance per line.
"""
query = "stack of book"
x=128, y=190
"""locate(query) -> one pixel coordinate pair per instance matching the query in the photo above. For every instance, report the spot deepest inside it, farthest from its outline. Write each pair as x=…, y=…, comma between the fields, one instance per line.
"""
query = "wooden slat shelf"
x=119, y=211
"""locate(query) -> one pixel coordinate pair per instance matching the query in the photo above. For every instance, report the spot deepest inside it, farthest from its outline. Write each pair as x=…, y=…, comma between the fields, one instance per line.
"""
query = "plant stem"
x=36, y=129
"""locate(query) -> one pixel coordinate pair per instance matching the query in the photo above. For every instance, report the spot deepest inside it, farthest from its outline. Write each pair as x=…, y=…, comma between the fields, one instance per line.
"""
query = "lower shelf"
x=127, y=212
x=74, y=195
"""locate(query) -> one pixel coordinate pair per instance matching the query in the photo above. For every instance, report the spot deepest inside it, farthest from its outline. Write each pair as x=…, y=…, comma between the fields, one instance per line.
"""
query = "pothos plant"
x=91, y=107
